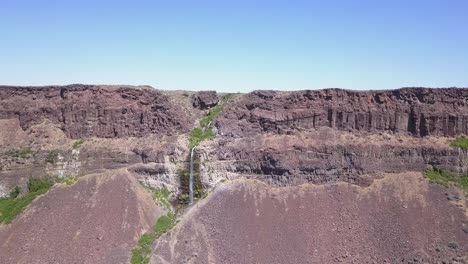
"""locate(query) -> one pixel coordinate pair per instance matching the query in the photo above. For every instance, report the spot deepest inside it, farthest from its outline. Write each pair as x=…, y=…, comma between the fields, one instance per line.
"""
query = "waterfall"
x=207, y=126
x=191, y=177
x=191, y=168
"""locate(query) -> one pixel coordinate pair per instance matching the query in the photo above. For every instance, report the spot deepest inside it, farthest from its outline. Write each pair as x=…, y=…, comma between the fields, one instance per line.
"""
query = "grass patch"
x=446, y=178
x=141, y=254
x=205, y=130
x=14, y=205
x=77, y=144
x=21, y=153
x=15, y=192
x=211, y=115
x=197, y=136
x=66, y=180
x=161, y=196
x=460, y=142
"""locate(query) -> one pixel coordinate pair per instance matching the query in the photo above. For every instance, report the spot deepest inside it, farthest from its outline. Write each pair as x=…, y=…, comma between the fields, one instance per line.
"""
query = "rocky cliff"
x=415, y=111
x=284, y=138
x=96, y=111
x=327, y=156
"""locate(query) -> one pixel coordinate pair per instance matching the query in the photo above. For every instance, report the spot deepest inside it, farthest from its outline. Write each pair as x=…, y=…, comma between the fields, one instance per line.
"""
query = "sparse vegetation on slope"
x=21, y=153
x=199, y=134
x=205, y=131
x=460, y=142
x=14, y=205
x=77, y=144
x=66, y=180
x=446, y=178
x=52, y=157
x=141, y=254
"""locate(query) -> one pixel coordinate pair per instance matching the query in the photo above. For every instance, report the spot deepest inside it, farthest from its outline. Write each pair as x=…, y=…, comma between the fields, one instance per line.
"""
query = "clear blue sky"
x=235, y=45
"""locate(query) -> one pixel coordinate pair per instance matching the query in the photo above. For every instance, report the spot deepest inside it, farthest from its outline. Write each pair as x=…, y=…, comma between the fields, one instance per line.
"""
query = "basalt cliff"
x=276, y=172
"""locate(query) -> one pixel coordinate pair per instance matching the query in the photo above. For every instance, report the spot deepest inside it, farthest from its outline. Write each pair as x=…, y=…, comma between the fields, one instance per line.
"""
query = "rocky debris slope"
x=415, y=111
x=97, y=220
x=398, y=219
x=96, y=111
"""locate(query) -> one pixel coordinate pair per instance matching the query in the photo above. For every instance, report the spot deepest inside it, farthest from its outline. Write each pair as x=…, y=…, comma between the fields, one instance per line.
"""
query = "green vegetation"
x=460, y=142
x=52, y=157
x=164, y=224
x=78, y=143
x=160, y=196
x=197, y=135
x=140, y=254
x=14, y=205
x=15, y=192
x=205, y=131
x=184, y=175
x=21, y=153
x=66, y=180
x=447, y=178
x=211, y=115
x=39, y=185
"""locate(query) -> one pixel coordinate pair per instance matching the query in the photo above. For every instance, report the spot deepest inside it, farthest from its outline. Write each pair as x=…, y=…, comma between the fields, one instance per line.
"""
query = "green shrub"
x=15, y=192
x=78, y=143
x=39, y=185
x=140, y=254
x=183, y=198
x=211, y=115
x=163, y=224
x=12, y=206
x=161, y=196
x=52, y=157
x=21, y=153
x=204, y=132
x=66, y=180
x=460, y=142
x=447, y=178
x=197, y=135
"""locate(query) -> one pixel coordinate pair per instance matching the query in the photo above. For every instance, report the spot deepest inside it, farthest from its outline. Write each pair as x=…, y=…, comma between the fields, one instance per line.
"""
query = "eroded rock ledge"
x=96, y=111
x=415, y=111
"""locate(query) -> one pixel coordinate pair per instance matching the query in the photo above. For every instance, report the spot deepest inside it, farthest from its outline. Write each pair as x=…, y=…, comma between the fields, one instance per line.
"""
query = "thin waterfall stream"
x=191, y=177
x=191, y=195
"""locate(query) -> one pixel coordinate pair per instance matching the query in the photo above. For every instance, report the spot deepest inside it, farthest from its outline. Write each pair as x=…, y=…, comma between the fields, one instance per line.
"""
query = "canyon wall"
x=96, y=111
x=415, y=111
x=283, y=138
x=286, y=160
x=125, y=111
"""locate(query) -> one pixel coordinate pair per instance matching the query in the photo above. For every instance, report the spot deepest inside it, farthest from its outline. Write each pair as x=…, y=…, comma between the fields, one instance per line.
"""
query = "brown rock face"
x=95, y=111
x=205, y=99
x=284, y=164
x=415, y=111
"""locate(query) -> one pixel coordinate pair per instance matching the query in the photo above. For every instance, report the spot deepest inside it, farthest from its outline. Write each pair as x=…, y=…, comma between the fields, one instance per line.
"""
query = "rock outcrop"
x=205, y=99
x=95, y=111
x=326, y=156
x=415, y=111
x=299, y=161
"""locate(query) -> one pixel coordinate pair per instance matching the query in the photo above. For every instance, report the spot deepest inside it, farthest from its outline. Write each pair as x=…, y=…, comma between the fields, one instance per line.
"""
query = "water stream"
x=191, y=177
x=191, y=168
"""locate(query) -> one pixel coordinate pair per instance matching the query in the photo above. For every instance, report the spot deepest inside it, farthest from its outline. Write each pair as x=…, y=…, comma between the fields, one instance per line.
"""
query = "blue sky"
x=235, y=45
